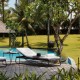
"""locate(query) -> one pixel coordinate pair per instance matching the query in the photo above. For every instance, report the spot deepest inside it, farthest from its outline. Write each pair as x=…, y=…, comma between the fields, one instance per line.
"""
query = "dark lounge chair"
x=30, y=54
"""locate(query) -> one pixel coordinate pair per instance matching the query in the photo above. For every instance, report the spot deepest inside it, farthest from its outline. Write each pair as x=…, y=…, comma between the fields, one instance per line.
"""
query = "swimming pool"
x=42, y=51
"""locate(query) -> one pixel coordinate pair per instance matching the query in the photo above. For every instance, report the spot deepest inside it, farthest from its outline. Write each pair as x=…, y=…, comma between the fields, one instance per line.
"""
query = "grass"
x=71, y=44
x=72, y=47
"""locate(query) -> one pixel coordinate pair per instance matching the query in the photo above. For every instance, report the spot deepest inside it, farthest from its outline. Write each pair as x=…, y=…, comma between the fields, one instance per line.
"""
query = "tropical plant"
x=13, y=25
x=33, y=76
x=19, y=12
x=17, y=77
x=28, y=76
x=3, y=4
x=62, y=74
x=38, y=13
x=3, y=76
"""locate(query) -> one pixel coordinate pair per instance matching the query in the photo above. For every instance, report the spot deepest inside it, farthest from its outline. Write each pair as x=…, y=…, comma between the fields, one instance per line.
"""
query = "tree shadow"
x=40, y=44
x=2, y=40
x=78, y=37
x=7, y=46
x=78, y=47
x=65, y=44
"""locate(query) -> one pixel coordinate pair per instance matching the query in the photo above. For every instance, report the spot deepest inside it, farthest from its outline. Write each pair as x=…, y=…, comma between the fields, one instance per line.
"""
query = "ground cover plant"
x=65, y=75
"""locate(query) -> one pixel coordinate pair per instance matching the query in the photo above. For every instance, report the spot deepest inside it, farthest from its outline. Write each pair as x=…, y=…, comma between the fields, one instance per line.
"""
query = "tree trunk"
x=3, y=9
x=58, y=41
x=48, y=28
x=59, y=45
x=22, y=38
x=60, y=48
x=26, y=38
x=22, y=41
x=65, y=36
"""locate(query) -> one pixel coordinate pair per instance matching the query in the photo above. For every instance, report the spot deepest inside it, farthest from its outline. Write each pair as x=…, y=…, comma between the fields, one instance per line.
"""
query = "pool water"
x=44, y=51
x=41, y=51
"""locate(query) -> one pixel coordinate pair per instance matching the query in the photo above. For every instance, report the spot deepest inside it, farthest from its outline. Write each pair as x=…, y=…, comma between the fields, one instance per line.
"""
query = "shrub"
x=28, y=76
x=3, y=76
x=17, y=77
x=62, y=74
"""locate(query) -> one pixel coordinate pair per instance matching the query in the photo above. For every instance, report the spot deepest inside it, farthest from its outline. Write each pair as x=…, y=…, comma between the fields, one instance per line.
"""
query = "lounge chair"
x=30, y=54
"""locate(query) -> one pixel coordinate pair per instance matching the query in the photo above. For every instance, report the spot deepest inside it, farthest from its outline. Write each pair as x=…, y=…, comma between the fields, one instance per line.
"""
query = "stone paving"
x=35, y=67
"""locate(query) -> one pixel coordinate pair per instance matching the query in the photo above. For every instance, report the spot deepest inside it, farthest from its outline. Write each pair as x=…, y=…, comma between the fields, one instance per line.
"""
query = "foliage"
x=65, y=75
x=33, y=76
x=62, y=74
x=17, y=77
x=3, y=76
x=27, y=76
x=12, y=25
x=3, y=3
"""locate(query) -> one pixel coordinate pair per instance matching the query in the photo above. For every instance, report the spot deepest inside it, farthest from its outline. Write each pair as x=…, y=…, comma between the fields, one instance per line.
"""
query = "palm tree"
x=39, y=13
x=19, y=12
x=3, y=4
x=3, y=8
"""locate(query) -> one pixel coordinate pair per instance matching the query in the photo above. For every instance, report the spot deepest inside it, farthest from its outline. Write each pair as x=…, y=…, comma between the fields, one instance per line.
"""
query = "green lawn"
x=72, y=47
x=71, y=44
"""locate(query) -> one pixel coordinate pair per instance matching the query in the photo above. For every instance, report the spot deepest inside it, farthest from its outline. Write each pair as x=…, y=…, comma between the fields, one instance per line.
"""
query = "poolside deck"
x=37, y=68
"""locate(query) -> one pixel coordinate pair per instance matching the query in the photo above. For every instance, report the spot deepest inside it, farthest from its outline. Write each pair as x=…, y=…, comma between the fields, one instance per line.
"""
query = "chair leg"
x=16, y=60
x=19, y=60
